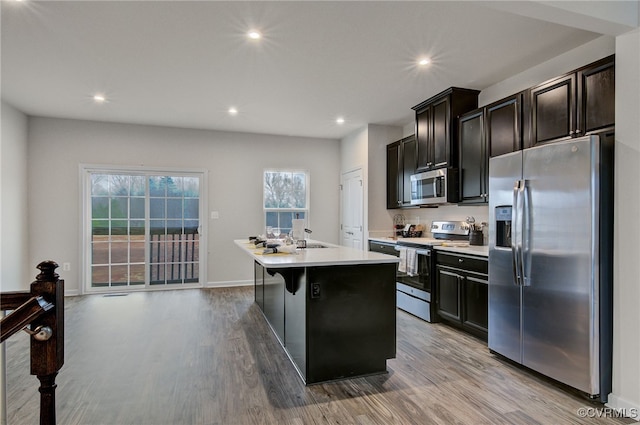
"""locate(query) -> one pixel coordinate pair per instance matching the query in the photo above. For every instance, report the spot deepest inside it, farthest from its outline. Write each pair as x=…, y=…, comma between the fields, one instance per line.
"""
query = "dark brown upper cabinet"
x=553, y=110
x=575, y=104
x=409, y=152
x=486, y=132
x=437, y=127
x=504, y=125
x=596, y=96
x=401, y=164
x=394, y=152
x=473, y=158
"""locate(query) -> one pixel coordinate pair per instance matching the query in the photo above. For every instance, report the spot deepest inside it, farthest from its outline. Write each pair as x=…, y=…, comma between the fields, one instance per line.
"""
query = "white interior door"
x=352, y=208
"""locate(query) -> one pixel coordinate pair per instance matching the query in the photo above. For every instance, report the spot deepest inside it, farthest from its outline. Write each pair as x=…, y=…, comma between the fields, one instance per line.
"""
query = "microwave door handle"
x=435, y=188
x=515, y=258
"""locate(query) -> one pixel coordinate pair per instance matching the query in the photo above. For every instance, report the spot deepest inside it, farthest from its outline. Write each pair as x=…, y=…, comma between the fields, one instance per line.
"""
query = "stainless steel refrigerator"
x=550, y=260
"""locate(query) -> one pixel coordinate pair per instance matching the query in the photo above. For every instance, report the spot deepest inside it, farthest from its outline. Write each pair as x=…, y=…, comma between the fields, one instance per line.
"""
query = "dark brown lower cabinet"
x=476, y=303
x=448, y=290
x=462, y=291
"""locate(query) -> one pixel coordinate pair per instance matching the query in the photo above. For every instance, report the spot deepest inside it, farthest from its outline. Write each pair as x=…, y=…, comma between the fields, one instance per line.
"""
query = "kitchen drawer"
x=384, y=248
x=464, y=262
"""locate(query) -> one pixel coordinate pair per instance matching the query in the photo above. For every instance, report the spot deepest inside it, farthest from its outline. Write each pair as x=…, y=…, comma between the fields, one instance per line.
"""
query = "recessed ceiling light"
x=254, y=35
x=340, y=120
x=424, y=61
x=99, y=98
x=233, y=111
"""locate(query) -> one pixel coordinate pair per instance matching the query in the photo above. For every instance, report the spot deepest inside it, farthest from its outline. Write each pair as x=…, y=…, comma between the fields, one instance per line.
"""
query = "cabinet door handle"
x=460, y=260
x=578, y=132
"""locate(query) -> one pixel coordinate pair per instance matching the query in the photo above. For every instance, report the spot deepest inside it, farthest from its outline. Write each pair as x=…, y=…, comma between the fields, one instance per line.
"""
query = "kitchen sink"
x=316, y=245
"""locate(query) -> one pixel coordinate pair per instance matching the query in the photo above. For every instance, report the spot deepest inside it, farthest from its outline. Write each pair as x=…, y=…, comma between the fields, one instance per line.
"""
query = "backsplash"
x=425, y=216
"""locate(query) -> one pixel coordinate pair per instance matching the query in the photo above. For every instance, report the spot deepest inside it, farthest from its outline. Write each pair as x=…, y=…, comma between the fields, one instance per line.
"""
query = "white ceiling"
x=183, y=63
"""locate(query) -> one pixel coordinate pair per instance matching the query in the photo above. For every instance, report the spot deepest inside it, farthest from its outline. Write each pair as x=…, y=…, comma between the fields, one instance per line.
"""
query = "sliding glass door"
x=142, y=229
x=174, y=204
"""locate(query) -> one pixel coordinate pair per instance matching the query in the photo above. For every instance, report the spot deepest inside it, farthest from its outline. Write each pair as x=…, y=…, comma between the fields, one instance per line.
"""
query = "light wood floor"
x=208, y=357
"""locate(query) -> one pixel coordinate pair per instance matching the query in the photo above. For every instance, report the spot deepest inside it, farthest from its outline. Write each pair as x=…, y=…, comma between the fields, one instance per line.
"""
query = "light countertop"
x=482, y=251
x=316, y=257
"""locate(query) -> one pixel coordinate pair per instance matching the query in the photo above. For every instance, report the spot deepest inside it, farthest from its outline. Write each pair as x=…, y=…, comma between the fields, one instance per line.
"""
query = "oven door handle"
x=426, y=252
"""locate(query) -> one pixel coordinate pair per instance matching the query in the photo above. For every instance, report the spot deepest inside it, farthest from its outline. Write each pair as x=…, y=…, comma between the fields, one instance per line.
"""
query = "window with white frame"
x=286, y=196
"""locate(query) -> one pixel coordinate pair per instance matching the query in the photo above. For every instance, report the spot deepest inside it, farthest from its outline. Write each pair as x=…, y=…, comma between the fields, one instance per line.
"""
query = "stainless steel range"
x=415, y=280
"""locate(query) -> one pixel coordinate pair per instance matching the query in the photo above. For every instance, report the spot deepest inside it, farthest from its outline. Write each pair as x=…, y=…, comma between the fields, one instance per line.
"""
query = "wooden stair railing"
x=22, y=316
x=42, y=307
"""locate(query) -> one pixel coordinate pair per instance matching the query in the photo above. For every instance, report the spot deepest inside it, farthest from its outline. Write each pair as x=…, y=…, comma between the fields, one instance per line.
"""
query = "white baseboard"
x=626, y=407
x=228, y=284
x=71, y=292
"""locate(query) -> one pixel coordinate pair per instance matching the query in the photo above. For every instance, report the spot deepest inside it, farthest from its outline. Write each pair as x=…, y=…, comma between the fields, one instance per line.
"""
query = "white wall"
x=379, y=137
x=353, y=150
x=14, y=270
x=626, y=332
x=353, y=156
x=16, y=273
x=235, y=162
x=366, y=148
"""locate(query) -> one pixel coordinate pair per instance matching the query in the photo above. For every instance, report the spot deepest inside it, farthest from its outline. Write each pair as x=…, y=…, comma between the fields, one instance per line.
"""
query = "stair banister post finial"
x=47, y=271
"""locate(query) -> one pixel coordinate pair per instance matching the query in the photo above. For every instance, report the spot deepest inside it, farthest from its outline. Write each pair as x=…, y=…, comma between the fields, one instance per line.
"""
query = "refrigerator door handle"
x=525, y=237
x=515, y=216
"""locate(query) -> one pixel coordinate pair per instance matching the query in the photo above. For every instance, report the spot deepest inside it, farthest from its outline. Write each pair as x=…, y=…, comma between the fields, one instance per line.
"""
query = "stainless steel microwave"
x=435, y=187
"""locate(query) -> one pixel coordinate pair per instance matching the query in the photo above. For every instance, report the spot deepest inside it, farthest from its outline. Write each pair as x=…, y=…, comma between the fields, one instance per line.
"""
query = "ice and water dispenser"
x=503, y=226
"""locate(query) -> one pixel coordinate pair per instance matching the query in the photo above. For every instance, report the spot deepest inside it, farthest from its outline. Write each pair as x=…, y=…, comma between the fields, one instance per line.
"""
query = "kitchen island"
x=332, y=308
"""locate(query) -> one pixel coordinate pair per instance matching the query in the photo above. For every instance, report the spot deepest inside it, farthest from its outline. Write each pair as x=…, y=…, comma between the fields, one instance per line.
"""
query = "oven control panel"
x=448, y=229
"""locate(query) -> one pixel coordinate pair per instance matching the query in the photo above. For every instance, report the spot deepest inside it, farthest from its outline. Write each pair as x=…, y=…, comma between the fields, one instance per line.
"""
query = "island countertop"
x=315, y=257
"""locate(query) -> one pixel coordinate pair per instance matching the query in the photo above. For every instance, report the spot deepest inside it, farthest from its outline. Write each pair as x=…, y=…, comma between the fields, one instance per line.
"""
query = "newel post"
x=47, y=357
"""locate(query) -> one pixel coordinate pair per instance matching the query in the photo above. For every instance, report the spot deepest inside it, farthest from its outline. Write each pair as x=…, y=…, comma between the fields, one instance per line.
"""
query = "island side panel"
x=274, y=284
x=295, y=328
x=259, y=284
x=351, y=320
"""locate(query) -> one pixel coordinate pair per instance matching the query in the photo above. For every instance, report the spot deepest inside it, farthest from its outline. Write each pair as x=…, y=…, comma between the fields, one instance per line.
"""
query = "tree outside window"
x=285, y=198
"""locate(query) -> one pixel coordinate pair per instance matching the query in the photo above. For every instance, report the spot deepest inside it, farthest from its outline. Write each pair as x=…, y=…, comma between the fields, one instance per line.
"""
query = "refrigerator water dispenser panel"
x=503, y=226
